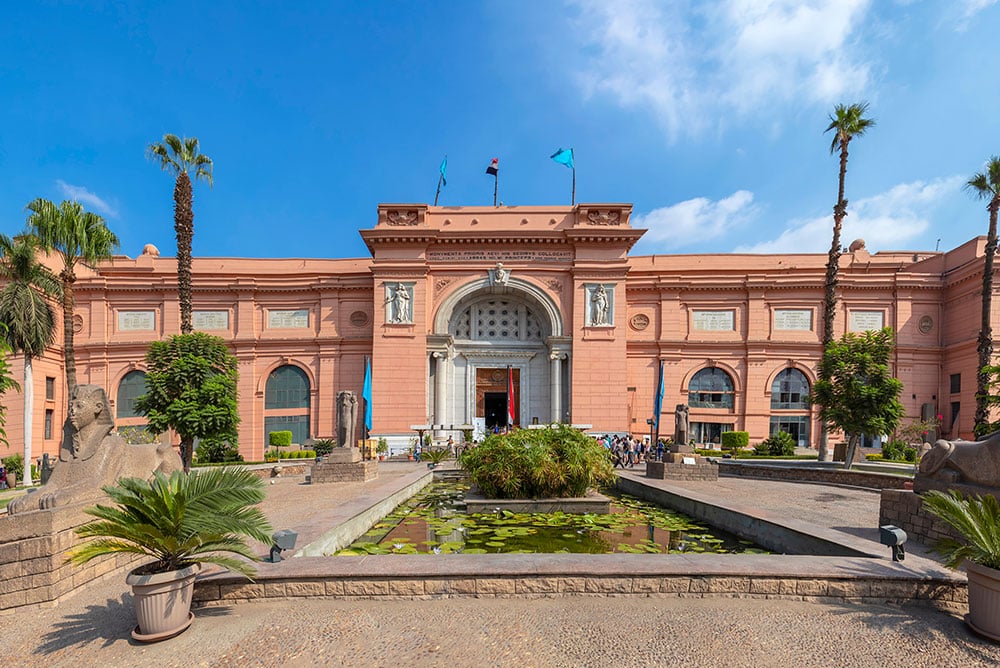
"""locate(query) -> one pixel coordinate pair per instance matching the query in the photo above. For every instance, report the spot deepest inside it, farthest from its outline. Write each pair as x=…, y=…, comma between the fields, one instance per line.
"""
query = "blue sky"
x=708, y=116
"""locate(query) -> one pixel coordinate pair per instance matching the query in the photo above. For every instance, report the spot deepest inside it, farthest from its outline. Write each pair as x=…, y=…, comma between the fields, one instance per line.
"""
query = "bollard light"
x=894, y=537
x=283, y=539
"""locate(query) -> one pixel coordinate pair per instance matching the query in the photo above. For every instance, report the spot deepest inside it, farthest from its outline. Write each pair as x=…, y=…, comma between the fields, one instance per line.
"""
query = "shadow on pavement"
x=104, y=623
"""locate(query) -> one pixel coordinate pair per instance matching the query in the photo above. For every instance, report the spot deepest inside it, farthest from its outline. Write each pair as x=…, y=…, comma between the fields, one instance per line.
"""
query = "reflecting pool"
x=434, y=521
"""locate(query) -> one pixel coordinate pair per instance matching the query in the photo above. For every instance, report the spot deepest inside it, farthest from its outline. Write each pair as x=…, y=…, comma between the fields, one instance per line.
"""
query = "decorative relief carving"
x=359, y=318
x=926, y=324
x=77, y=324
x=554, y=284
x=639, y=321
x=396, y=217
x=611, y=218
x=440, y=284
x=499, y=275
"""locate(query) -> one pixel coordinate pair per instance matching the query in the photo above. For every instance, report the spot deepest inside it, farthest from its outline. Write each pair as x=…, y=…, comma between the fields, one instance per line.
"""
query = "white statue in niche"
x=599, y=306
x=398, y=300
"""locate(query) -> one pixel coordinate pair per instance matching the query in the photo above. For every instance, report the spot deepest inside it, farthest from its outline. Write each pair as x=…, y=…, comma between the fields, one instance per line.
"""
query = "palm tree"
x=180, y=156
x=78, y=236
x=986, y=185
x=847, y=122
x=28, y=316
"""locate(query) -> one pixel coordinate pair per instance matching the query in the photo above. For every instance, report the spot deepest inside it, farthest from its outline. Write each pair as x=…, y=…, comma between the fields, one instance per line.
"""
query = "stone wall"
x=905, y=509
x=344, y=472
x=826, y=476
x=669, y=471
x=33, y=550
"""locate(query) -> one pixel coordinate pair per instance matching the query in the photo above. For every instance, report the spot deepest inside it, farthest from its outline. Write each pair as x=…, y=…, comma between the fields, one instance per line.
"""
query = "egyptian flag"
x=510, y=396
x=494, y=167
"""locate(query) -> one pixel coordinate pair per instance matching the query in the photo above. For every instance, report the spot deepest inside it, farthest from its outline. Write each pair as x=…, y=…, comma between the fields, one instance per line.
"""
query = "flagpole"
x=573, y=200
x=438, y=192
x=496, y=186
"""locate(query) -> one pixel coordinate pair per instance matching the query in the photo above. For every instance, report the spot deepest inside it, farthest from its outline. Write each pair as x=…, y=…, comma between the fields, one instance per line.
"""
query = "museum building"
x=456, y=301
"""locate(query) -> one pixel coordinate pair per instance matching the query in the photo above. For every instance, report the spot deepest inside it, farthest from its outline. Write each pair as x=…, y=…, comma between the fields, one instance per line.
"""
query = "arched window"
x=711, y=388
x=790, y=390
x=132, y=387
x=286, y=403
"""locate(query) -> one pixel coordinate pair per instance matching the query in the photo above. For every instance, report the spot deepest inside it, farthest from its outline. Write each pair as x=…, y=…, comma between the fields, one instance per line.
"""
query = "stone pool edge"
x=843, y=579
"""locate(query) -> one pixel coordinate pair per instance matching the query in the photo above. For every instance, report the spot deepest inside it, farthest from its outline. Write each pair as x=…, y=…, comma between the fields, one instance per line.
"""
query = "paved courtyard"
x=92, y=627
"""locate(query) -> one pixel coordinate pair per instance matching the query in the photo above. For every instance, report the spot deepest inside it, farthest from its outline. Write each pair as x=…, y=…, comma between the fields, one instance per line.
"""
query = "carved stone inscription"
x=296, y=319
x=799, y=319
x=499, y=255
x=713, y=321
x=864, y=321
x=207, y=321
x=136, y=321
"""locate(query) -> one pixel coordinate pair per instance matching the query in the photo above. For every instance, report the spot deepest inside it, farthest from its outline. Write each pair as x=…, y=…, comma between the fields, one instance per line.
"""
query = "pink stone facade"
x=452, y=296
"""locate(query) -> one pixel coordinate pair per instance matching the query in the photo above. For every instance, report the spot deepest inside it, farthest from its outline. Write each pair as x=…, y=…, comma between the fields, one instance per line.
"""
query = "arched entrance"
x=488, y=337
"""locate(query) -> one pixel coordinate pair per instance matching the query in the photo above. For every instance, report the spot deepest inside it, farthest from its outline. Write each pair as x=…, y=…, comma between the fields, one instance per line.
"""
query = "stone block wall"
x=905, y=509
x=33, y=551
x=346, y=472
x=826, y=476
x=669, y=471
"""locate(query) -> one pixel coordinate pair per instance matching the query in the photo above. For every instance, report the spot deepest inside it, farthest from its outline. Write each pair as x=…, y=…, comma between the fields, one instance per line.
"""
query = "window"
x=956, y=383
x=50, y=388
x=287, y=402
x=955, y=406
x=711, y=388
x=708, y=432
x=790, y=390
x=48, y=423
x=795, y=425
x=132, y=387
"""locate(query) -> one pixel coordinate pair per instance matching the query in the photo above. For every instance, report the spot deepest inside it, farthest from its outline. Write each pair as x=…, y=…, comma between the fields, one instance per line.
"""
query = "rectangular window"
x=50, y=388
x=956, y=383
x=955, y=406
x=48, y=423
x=797, y=426
x=709, y=432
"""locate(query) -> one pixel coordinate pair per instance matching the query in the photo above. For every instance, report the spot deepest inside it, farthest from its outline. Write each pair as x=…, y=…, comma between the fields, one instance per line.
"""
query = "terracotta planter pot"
x=984, y=600
x=162, y=603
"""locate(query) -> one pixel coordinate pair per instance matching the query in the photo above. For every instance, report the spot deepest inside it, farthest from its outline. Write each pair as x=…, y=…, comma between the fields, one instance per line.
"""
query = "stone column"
x=555, y=386
x=440, y=389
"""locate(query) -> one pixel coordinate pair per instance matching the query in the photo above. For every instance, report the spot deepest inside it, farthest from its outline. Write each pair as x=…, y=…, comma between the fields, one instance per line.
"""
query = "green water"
x=432, y=521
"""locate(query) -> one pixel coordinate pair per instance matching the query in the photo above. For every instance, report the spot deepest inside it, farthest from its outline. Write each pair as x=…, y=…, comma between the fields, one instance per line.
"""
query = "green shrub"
x=310, y=454
x=214, y=449
x=15, y=468
x=910, y=454
x=279, y=439
x=324, y=446
x=538, y=463
x=779, y=444
x=734, y=440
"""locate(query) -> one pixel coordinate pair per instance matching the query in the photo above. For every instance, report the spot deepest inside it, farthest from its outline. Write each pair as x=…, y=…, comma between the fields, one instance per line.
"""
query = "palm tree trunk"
x=29, y=414
x=832, y=267
x=984, y=346
x=184, y=228
x=187, y=452
x=852, y=446
x=69, y=346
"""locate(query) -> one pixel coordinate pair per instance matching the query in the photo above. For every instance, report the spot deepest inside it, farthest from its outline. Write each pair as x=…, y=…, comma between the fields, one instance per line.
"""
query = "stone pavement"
x=92, y=627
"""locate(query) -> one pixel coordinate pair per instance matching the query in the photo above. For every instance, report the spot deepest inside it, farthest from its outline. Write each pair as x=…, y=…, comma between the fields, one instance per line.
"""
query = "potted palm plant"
x=977, y=520
x=182, y=522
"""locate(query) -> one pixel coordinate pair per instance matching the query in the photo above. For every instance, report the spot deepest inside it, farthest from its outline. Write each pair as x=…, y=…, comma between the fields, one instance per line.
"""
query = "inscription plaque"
x=793, y=319
x=713, y=321
x=136, y=321
x=864, y=321
x=296, y=319
x=207, y=321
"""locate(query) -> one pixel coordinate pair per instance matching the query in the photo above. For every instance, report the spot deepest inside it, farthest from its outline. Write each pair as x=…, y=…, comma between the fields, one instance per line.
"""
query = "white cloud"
x=693, y=63
x=695, y=220
x=887, y=221
x=968, y=10
x=84, y=196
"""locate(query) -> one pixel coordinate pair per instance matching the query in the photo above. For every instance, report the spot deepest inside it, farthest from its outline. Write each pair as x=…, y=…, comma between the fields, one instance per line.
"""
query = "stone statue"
x=500, y=274
x=972, y=466
x=347, y=418
x=681, y=427
x=599, y=306
x=399, y=302
x=92, y=456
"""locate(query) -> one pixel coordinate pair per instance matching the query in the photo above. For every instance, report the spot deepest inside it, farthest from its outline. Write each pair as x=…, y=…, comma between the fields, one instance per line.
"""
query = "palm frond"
x=976, y=519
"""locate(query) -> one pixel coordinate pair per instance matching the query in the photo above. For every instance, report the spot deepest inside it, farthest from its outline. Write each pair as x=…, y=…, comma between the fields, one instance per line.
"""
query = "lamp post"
x=651, y=422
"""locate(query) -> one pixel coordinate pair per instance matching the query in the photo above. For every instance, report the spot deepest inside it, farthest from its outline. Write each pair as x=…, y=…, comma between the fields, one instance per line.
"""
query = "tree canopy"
x=191, y=388
x=856, y=390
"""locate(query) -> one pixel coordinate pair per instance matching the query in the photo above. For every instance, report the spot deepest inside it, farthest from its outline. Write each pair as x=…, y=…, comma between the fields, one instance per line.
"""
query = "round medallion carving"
x=359, y=318
x=926, y=324
x=77, y=324
x=496, y=376
x=639, y=321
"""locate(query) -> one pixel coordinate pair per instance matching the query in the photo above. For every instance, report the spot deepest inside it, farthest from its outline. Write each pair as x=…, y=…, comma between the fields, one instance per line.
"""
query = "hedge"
x=279, y=439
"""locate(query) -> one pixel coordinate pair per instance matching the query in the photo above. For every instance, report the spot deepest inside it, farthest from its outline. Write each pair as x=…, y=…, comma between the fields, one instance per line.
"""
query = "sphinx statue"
x=92, y=456
x=968, y=466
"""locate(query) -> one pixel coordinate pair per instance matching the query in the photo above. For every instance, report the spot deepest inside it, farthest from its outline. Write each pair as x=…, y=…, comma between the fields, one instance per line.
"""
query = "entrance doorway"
x=495, y=405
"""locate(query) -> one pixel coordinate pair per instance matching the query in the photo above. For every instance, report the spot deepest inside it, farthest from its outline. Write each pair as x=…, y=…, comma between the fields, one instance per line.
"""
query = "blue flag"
x=564, y=156
x=658, y=404
x=444, y=171
x=366, y=394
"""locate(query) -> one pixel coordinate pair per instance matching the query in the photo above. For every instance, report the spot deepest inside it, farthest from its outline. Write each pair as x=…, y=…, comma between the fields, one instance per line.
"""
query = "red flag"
x=511, y=417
